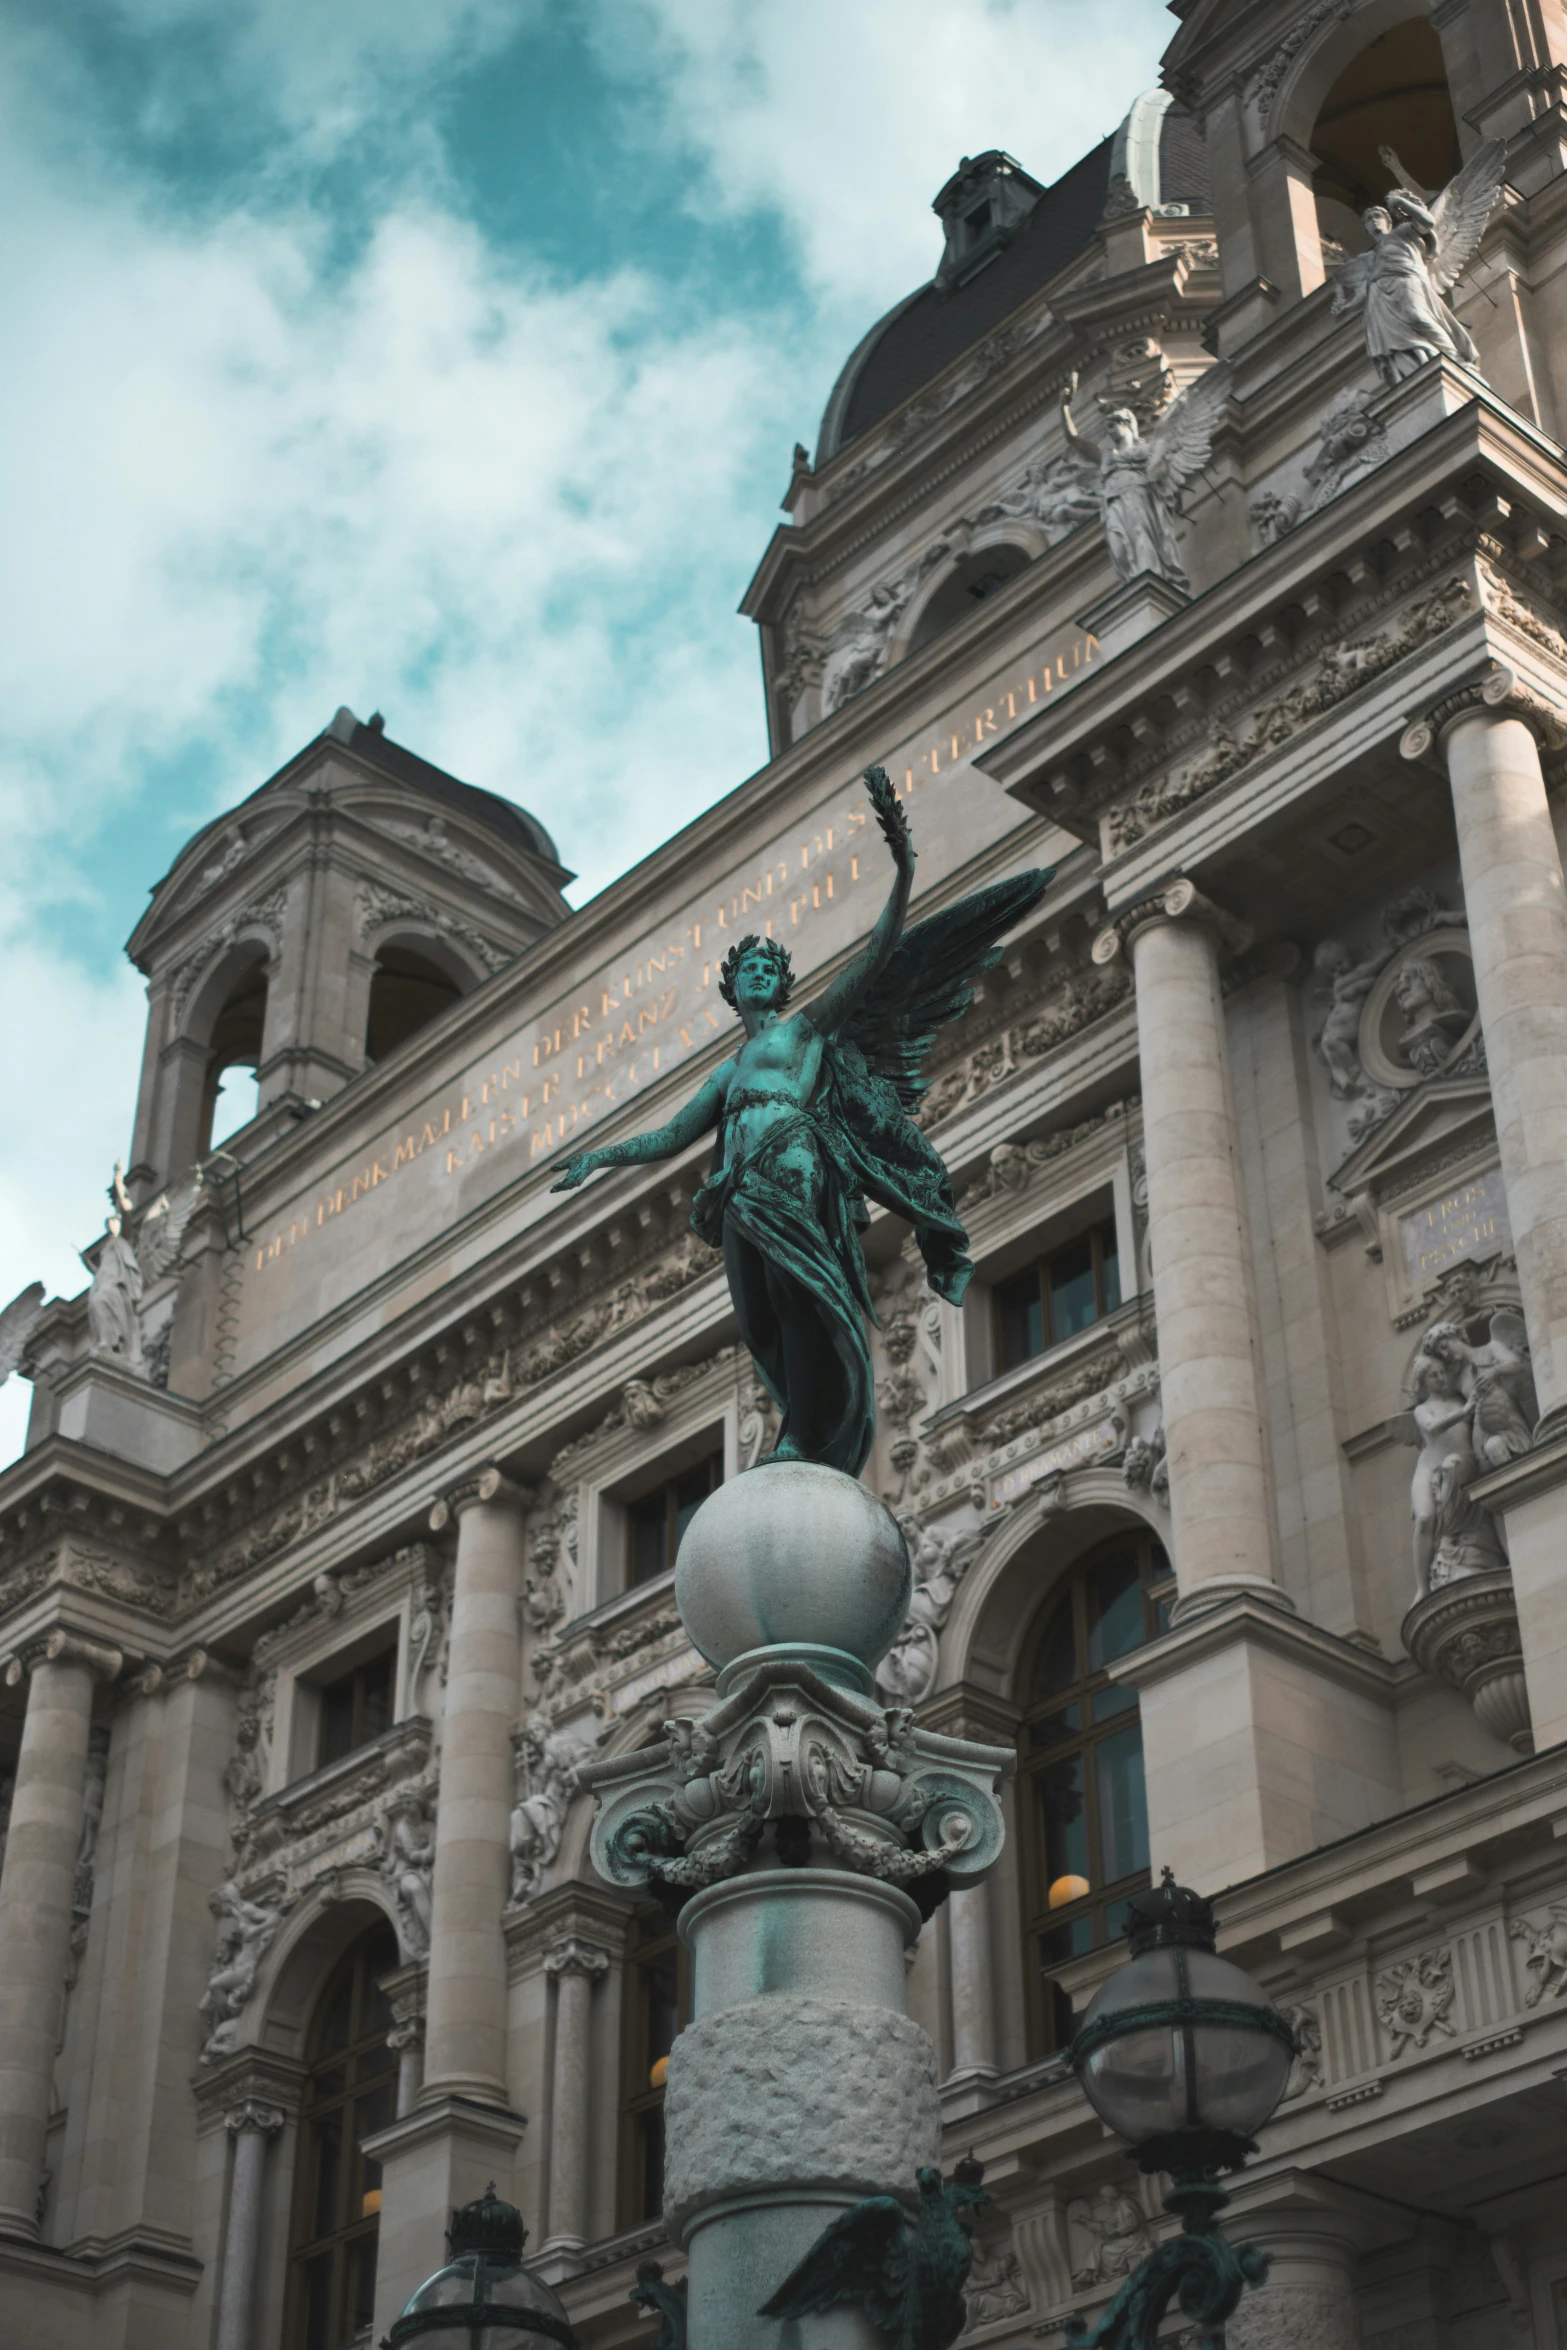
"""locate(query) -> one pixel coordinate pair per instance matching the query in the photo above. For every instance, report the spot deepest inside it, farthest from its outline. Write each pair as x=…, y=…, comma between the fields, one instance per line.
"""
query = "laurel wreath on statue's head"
x=776, y=954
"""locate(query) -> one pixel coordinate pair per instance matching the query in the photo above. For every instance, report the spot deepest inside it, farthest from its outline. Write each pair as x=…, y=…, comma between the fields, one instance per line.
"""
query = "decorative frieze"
x=1343, y=668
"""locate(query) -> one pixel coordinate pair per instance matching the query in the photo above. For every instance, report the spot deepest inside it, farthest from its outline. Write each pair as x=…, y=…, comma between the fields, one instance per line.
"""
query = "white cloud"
x=847, y=119
x=249, y=473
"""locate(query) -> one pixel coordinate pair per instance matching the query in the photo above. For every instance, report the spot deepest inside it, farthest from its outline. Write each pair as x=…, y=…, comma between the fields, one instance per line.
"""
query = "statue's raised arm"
x=837, y=1003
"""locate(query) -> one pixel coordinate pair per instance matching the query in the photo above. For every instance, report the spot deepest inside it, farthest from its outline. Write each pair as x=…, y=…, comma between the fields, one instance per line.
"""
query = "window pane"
x=650, y=2162
x=649, y=1540
x=1055, y=1948
x=319, y=2329
x=337, y=1720
x=1111, y=1265
x=1057, y=1664
x=361, y=2282
x=328, y=2135
x=692, y=1490
x=1070, y=1273
x=1020, y=1319
x=1123, y=1803
x=1063, y=1723
x=1115, y=1609
x=377, y=1714
x=1063, y=1819
x=1112, y=1701
x=661, y=2007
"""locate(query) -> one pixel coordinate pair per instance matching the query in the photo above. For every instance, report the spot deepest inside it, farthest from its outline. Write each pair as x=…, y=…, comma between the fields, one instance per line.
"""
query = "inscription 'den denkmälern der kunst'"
x=627, y=1027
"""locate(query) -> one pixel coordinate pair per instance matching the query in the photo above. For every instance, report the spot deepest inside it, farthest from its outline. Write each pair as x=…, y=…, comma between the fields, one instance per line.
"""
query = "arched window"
x=233, y=1056
x=407, y=992
x=657, y=2006
x=1082, y=1801
x=351, y=2093
x=969, y=583
x=1393, y=94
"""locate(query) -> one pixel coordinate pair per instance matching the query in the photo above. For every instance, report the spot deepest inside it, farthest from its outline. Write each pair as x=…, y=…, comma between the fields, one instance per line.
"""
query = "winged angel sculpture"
x=1420, y=247
x=1141, y=480
x=813, y=1118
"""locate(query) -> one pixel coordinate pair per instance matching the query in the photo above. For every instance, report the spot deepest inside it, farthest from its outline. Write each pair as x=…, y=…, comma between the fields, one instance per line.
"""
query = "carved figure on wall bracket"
x=1419, y=250
x=1473, y=1409
x=1141, y=480
x=813, y=1117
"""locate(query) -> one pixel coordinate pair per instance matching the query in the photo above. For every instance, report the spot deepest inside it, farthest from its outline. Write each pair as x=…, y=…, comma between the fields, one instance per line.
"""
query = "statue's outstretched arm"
x=1074, y=438
x=700, y=1115
x=838, y=1003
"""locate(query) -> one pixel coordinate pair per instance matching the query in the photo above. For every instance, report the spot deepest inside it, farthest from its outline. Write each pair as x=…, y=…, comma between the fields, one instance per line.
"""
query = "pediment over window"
x=1448, y=1119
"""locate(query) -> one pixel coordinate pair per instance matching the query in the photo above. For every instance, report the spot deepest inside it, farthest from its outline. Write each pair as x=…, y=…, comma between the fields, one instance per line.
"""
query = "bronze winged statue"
x=907, y=2276
x=813, y=1118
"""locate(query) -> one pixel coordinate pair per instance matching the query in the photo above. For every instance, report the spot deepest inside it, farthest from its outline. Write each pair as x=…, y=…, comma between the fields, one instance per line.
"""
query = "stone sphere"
x=793, y=1555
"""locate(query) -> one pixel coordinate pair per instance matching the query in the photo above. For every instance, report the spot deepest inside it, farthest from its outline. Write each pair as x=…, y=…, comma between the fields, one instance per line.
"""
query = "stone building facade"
x=1236, y=1488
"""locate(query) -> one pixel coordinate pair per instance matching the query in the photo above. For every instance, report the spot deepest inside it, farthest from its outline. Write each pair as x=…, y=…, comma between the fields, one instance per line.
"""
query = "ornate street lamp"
x=483, y=2299
x=1183, y=2057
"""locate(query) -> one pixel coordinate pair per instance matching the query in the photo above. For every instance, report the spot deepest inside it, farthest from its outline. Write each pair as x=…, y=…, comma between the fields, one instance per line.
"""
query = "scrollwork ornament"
x=1199, y=2269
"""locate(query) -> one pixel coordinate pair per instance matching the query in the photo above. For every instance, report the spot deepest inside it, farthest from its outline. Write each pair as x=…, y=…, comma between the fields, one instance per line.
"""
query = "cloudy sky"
x=437, y=356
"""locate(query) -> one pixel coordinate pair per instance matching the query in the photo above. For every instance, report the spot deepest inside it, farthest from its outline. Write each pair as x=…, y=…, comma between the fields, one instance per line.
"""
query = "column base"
x=440, y=2156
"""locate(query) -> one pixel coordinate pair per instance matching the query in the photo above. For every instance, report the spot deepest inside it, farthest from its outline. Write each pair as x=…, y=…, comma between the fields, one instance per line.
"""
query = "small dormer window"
x=982, y=206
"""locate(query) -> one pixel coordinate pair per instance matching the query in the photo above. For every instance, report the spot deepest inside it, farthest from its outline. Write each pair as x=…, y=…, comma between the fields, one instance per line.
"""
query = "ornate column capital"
x=488, y=1485
x=252, y=2114
x=575, y=1957
x=195, y=1665
x=1501, y=693
x=63, y=1647
x=1178, y=900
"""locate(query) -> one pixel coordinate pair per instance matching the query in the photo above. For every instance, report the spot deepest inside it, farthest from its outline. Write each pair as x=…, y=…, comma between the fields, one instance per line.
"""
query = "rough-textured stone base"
x=785, y=2093
x=1294, y=2317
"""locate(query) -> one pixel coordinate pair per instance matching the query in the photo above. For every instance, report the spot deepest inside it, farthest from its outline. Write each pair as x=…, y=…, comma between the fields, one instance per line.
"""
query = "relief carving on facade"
x=264, y=914
x=405, y=1842
x=1107, y=2235
x=1263, y=86
x=1073, y=1004
x=1343, y=667
x=1351, y=440
x=996, y=2286
x=432, y=839
x=907, y=1673
x=1415, y=1999
x=462, y=1397
x=379, y=904
x=1545, y=1958
x=546, y=1765
x=1306, y=2065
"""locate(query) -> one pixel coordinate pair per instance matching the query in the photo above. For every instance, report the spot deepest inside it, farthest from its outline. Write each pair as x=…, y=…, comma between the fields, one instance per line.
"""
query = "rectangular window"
x=356, y=1707
x=658, y=1520
x=657, y=2004
x=1070, y=1290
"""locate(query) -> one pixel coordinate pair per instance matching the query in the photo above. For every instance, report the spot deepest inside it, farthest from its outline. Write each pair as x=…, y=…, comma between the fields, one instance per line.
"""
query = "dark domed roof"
x=1157, y=148
x=484, y=807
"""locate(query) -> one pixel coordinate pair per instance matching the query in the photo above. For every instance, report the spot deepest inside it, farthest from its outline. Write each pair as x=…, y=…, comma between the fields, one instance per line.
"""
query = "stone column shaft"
x=252, y=2126
x=37, y=1891
x=465, y=2029
x=1221, y=1503
x=576, y=1966
x=973, y=1988
x=1517, y=912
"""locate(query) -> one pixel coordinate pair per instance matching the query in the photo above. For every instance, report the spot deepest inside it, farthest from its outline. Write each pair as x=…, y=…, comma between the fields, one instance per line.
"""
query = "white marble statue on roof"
x=1141, y=479
x=1420, y=247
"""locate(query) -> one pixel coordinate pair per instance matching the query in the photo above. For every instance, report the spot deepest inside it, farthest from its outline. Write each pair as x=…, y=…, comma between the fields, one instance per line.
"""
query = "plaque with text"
x=1468, y=1221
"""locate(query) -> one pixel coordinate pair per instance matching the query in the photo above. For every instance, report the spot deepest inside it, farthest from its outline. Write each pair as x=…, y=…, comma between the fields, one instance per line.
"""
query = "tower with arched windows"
x=1234, y=1487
